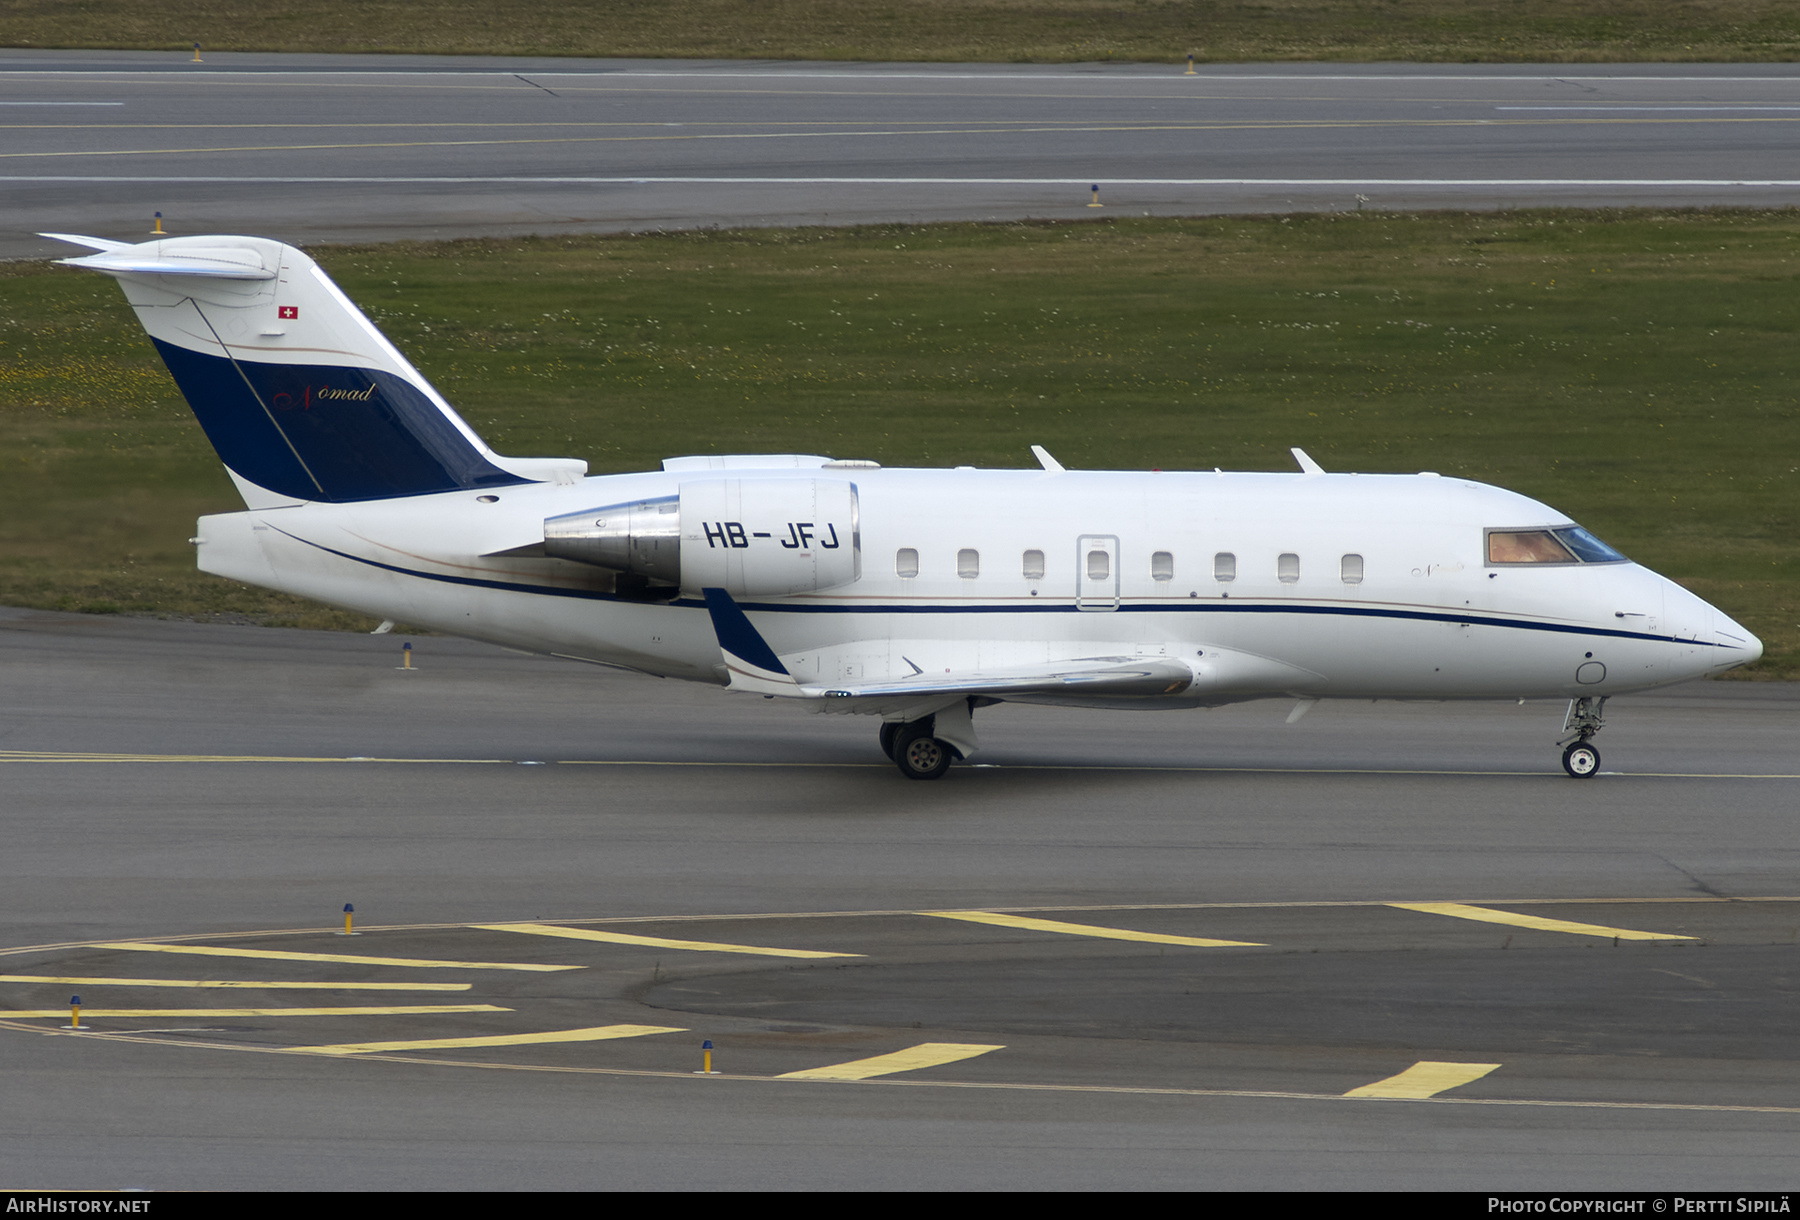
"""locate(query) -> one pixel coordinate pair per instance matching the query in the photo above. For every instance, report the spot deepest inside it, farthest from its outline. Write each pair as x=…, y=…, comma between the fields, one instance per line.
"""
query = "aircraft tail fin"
x=298, y=392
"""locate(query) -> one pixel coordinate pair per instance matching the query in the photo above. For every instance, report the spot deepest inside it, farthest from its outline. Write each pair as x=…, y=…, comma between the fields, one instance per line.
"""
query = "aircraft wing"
x=752, y=665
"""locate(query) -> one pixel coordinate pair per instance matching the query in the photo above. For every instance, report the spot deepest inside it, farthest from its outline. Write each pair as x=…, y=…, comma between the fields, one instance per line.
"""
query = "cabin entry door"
x=1097, y=572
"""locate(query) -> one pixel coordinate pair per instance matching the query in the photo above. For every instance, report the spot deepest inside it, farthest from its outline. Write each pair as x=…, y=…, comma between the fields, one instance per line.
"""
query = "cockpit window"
x=1570, y=544
x=1526, y=546
x=1588, y=547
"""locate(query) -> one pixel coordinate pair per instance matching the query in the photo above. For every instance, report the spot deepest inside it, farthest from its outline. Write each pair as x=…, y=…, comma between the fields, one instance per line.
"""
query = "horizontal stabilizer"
x=219, y=264
x=92, y=243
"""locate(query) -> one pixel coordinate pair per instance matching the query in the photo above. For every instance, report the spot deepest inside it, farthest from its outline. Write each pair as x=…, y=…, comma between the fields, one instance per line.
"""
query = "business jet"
x=915, y=596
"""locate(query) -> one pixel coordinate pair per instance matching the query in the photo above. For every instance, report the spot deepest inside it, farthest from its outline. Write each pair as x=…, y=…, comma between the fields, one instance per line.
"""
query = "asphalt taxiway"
x=1389, y=945
x=315, y=148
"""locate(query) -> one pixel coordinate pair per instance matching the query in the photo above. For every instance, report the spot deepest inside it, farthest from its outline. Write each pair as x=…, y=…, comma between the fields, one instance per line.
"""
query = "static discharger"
x=1095, y=202
x=406, y=655
x=349, y=914
x=74, y=1013
x=706, y=1067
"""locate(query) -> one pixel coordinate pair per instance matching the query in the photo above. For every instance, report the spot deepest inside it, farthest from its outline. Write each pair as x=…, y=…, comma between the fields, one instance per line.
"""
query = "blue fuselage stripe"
x=1171, y=607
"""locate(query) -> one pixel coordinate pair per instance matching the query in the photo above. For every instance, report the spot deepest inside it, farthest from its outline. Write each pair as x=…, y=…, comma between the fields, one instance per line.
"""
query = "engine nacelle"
x=750, y=537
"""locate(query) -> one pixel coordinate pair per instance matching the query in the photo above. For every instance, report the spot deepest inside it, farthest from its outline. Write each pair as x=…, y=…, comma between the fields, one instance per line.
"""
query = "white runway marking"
x=1606, y=107
x=691, y=180
x=1172, y=76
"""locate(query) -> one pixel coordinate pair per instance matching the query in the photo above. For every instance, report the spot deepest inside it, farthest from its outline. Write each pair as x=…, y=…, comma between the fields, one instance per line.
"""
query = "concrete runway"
x=1608, y=966
x=333, y=148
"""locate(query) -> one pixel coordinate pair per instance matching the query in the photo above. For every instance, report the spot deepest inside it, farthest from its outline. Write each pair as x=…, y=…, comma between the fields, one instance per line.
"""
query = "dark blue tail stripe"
x=316, y=432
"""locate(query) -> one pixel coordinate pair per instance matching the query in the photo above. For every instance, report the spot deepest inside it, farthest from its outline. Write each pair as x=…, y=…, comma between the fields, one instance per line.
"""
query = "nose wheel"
x=1580, y=759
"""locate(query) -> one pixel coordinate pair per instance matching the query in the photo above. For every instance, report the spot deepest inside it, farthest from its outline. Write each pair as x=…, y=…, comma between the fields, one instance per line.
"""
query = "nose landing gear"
x=1580, y=759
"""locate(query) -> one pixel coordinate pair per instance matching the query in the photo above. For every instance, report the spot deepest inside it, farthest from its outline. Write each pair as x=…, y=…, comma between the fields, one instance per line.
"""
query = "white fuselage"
x=1429, y=617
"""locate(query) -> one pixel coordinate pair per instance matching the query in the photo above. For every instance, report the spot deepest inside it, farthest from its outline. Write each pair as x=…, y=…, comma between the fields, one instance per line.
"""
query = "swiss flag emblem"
x=288, y=311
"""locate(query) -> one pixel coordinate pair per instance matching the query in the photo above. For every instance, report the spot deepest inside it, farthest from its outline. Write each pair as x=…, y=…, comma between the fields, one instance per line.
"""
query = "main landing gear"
x=916, y=751
x=1580, y=759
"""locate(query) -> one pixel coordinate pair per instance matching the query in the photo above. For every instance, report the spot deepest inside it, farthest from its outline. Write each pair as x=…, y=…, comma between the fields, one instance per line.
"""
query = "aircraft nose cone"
x=1713, y=642
x=1738, y=645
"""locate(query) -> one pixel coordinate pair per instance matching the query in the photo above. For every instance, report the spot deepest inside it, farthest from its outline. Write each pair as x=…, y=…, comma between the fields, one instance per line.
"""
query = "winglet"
x=1307, y=465
x=1045, y=460
x=752, y=664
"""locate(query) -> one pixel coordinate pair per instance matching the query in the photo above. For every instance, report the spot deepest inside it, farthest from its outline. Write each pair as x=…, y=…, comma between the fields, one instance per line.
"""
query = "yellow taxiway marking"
x=1082, y=929
x=252, y=983
x=924, y=1055
x=1457, y=910
x=150, y=1038
x=598, y=1033
x=653, y=942
x=1425, y=1079
x=282, y=955
x=405, y=1010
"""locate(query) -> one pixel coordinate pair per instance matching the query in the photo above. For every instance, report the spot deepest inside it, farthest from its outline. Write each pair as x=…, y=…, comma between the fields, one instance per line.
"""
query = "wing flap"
x=1111, y=677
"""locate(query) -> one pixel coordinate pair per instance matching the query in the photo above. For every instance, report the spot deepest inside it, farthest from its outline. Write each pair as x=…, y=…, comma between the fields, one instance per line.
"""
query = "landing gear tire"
x=889, y=731
x=918, y=754
x=1581, y=760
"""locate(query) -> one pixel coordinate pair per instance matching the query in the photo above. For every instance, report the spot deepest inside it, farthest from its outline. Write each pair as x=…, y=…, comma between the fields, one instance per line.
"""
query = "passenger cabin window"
x=1224, y=566
x=1570, y=544
x=1287, y=568
x=1351, y=569
x=968, y=563
x=1099, y=565
x=906, y=562
x=1162, y=566
x=1034, y=565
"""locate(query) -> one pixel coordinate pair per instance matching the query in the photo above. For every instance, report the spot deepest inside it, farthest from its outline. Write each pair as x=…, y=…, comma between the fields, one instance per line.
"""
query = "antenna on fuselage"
x=1045, y=460
x=1307, y=465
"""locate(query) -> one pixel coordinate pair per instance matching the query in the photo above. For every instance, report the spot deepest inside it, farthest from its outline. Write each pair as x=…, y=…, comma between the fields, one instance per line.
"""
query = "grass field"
x=1637, y=370
x=1043, y=31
